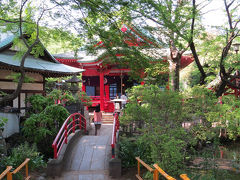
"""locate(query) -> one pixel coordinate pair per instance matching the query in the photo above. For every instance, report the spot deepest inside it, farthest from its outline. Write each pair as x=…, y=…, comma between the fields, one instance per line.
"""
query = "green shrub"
x=42, y=128
x=158, y=116
x=39, y=102
x=20, y=153
x=131, y=148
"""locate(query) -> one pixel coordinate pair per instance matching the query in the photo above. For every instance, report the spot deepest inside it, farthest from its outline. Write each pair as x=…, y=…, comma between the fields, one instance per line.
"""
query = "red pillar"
x=101, y=91
x=83, y=88
x=107, y=92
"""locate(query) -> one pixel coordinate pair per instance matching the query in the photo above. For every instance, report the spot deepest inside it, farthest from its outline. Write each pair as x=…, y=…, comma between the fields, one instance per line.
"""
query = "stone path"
x=89, y=158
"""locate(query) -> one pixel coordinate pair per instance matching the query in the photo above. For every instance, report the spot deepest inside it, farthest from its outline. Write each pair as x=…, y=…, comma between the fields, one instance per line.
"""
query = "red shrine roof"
x=185, y=61
x=84, y=58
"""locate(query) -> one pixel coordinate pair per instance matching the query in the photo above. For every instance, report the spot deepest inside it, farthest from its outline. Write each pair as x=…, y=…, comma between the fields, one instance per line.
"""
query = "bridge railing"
x=73, y=122
x=115, y=133
x=151, y=170
x=156, y=171
x=10, y=174
x=6, y=172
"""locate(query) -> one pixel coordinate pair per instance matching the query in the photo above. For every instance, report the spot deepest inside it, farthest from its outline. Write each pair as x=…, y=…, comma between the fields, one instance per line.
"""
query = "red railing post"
x=113, y=151
x=65, y=133
x=114, y=133
x=54, y=146
x=73, y=124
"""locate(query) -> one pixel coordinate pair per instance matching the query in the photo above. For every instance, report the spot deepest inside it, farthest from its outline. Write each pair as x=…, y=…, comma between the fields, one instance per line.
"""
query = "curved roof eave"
x=38, y=65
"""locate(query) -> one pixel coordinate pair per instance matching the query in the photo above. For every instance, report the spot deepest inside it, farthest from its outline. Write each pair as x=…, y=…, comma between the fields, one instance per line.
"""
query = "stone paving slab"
x=89, y=158
x=85, y=175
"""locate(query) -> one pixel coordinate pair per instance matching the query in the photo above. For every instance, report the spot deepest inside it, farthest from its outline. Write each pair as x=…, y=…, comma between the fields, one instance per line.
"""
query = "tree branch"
x=192, y=46
x=12, y=96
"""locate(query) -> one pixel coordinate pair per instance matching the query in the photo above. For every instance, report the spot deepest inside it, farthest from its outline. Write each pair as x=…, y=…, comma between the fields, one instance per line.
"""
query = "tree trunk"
x=200, y=68
x=221, y=89
x=174, y=66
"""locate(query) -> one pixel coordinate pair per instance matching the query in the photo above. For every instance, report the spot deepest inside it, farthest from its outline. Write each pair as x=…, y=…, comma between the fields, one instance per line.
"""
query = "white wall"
x=12, y=125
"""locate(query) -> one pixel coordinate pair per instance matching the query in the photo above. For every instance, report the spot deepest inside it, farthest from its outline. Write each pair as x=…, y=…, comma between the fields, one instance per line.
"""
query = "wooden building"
x=37, y=70
x=104, y=82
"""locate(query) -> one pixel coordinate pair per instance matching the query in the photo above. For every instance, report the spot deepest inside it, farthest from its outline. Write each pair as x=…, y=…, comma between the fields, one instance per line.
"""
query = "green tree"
x=158, y=116
x=43, y=127
x=174, y=23
x=22, y=19
x=11, y=16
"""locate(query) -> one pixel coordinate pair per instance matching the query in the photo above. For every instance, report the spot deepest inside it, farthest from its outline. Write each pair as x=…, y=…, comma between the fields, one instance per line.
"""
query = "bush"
x=43, y=127
x=38, y=103
x=131, y=148
x=20, y=153
x=159, y=115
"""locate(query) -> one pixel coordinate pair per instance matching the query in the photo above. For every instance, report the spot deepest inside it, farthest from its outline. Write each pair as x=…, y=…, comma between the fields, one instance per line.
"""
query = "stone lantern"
x=76, y=106
x=236, y=47
x=74, y=84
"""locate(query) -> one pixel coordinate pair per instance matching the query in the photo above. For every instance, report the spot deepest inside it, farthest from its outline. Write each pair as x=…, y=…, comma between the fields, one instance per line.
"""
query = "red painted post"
x=54, y=146
x=73, y=124
x=107, y=92
x=113, y=151
x=65, y=133
x=83, y=88
x=101, y=91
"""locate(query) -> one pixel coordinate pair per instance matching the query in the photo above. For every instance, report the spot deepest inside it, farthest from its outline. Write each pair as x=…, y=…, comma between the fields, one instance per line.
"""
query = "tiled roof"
x=47, y=64
x=35, y=64
x=5, y=42
x=83, y=56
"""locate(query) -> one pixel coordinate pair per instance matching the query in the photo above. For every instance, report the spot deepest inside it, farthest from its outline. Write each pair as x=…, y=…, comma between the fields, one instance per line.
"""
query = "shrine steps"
x=107, y=118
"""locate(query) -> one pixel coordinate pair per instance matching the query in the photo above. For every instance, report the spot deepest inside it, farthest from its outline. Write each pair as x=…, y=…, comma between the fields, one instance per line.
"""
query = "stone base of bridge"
x=115, y=167
x=55, y=166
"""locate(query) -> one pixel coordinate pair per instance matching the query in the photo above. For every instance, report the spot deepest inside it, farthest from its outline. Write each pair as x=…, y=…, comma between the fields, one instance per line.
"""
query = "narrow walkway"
x=89, y=158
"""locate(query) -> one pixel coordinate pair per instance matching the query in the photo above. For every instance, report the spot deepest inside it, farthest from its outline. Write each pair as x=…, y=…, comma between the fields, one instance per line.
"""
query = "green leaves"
x=3, y=121
x=45, y=120
x=39, y=103
x=41, y=128
x=157, y=116
x=15, y=77
x=20, y=153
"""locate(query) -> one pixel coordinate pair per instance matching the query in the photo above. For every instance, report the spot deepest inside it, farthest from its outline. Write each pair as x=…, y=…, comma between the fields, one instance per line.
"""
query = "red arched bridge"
x=82, y=155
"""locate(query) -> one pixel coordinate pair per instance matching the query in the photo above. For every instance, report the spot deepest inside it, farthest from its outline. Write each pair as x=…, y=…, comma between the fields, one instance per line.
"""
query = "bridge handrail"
x=184, y=177
x=4, y=173
x=141, y=162
x=156, y=171
x=10, y=174
x=114, y=133
x=162, y=172
x=66, y=129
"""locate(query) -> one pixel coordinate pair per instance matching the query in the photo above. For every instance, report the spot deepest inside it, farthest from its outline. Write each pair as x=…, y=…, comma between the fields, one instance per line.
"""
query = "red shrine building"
x=104, y=82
